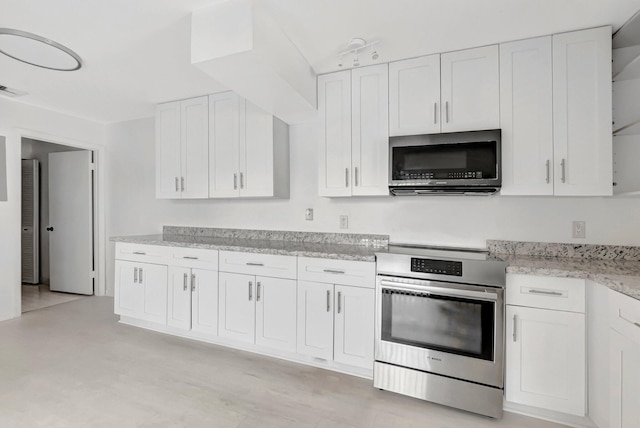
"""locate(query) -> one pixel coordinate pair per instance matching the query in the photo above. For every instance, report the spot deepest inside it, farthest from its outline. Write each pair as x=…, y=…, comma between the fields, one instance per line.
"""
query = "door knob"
x=50, y=228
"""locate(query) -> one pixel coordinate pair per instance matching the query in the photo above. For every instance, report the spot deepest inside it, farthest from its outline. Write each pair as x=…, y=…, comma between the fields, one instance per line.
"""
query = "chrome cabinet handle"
x=182, y=184
x=184, y=286
x=140, y=253
x=548, y=170
x=355, y=176
x=190, y=257
x=135, y=275
x=339, y=304
x=235, y=181
x=548, y=293
x=346, y=177
x=435, y=113
x=257, y=291
x=446, y=110
x=140, y=275
x=193, y=282
x=515, y=324
x=250, y=290
x=563, y=164
x=242, y=180
x=333, y=271
x=177, y=188
x=254, y=264
x=328, y=300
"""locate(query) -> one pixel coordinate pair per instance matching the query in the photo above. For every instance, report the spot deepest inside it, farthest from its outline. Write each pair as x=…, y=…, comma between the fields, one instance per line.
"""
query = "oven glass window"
x=446, y=161
x=455, y=325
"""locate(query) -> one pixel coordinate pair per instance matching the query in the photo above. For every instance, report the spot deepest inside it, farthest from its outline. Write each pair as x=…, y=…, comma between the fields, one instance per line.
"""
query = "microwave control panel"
x=441, y=267
x=428, y=175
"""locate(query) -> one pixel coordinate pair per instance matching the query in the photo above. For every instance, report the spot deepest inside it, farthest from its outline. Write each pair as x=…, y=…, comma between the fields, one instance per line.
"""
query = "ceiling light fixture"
x=37, y=50
x=354, y=47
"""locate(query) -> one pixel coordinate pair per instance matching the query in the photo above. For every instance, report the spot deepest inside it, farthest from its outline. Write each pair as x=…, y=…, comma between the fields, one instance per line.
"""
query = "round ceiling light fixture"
x=37, y=50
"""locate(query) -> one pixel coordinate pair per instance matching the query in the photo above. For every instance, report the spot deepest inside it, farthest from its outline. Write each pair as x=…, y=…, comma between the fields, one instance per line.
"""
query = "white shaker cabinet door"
x=237, y=307
x=168, y=150
x=470, y=89
x=625, y=381
x=204, y=301
x=224, y=144
x=582, y=112
x=129, y=295
x=179, y=298
x=334, y=109
x=276, y=313
x=354, y=326
x=370, y=130
x=414, y=96
x=526, y=117
x=545, y=356
x=315, y=319
x=256, y=152
x=195, y=148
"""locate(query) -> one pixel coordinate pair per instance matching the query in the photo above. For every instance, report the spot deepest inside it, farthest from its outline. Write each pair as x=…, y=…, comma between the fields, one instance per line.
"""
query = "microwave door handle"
x=441, y=291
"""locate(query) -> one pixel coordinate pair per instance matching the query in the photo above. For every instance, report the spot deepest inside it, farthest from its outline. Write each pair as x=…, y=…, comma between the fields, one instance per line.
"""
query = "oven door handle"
x=441, y=291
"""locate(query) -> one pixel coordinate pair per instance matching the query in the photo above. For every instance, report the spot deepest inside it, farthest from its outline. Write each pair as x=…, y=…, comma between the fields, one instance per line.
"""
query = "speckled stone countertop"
x=340, y=246
x=616, y=267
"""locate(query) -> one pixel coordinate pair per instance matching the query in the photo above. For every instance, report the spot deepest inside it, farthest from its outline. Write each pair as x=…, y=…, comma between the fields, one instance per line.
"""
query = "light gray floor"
x=39, y=296
x=73, y=365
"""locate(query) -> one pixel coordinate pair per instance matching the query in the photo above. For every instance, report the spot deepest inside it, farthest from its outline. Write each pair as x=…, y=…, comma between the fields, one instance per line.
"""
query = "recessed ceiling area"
x=137, y=53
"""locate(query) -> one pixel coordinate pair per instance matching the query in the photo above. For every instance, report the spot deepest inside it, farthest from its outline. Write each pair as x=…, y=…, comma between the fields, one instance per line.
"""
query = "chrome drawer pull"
x=140, y=275
x=135, y=275
x=250, y=291
x=140, y=253
x=182, y=184
x=333, y=271
x=548, y=170
x=177, y=187
x=563, y=164
x=339, y=304
x=193, y=282
x=257, y=291
x=328, y=300
x=190, y=257
x=548, y=293
x=184, y=286
x=254, y=264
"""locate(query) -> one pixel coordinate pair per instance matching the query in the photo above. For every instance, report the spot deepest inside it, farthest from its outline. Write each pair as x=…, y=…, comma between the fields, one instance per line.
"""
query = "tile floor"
x=73, y=365
x=39, y=296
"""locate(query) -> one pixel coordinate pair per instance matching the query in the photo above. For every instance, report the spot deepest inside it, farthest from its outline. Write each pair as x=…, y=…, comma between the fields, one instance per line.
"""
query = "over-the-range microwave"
x=460, y=163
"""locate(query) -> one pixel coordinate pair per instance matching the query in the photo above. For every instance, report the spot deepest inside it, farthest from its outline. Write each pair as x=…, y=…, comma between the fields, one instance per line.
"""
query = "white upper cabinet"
x=470, y=89
x=582, y=112
x=455, y=91
x=526, y=117
x=182, y=149
x=414, y=96
x=354, y=153
x=248, y=150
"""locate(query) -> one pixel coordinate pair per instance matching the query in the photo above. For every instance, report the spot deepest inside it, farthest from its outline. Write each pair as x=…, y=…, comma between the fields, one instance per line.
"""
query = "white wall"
x=459, y=221
x=18, y=120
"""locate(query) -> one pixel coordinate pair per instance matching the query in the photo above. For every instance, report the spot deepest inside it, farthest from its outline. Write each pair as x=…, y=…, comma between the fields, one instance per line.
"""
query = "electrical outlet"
x=578, y=229
x=344, y=222
x=308, y=214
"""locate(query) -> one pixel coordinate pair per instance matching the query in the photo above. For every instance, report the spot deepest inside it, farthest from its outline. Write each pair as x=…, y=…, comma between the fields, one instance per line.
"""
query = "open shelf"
x=626, y=63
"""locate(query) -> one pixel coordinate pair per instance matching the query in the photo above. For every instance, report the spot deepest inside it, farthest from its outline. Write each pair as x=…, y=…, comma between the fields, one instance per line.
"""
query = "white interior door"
x=70, y=222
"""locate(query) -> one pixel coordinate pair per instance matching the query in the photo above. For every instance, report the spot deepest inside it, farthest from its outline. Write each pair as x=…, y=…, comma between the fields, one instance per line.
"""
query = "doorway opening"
x=58, y=223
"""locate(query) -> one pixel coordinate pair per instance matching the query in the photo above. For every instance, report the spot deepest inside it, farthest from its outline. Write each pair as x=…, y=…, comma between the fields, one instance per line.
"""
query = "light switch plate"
x=344, y=222
x=308, y=214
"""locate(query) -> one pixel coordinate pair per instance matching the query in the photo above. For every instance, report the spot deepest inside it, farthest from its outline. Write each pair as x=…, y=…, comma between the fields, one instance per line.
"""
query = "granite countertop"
x=615, y=267
x=326, y=250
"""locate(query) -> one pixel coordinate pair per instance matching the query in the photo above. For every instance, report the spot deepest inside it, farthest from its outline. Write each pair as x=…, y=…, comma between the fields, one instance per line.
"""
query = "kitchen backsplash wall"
x=458, y=221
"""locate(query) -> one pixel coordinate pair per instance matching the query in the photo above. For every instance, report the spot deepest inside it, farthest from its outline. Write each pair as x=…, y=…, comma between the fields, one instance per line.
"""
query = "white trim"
x=100, y=240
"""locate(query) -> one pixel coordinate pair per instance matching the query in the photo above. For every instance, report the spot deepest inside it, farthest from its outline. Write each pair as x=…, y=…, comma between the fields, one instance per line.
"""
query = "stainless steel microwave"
x=460, y=163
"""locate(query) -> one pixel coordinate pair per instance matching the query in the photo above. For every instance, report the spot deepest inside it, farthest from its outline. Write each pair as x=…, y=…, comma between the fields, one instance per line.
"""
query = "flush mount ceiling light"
x=37, y=50
x=354, y=47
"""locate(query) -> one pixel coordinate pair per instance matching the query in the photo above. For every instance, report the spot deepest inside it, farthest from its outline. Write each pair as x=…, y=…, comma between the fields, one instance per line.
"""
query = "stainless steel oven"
x=440, y=327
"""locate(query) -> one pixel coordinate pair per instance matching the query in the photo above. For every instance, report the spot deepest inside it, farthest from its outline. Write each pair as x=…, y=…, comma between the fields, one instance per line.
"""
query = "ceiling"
x=137, y=53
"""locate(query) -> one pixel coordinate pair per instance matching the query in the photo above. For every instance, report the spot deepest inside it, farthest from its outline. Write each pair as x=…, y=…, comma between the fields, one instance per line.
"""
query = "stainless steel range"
x=440, y=326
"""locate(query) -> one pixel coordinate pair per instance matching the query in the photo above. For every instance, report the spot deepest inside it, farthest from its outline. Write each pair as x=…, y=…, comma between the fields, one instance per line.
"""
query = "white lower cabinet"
x=260, y=310
x=546, y=343
x=336, y=322
x=193, y=299
x=141, y=291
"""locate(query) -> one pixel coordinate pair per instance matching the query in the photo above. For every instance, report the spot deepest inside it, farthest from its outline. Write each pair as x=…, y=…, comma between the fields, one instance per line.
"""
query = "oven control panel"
x=441, y=267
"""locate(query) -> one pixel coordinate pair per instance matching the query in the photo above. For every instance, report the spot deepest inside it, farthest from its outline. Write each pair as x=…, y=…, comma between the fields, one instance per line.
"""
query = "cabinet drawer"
x=194, y=258
x=624, y=315
x=545, y=292
x=258, y=264
x=142, y=253
x=347, y=272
